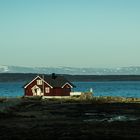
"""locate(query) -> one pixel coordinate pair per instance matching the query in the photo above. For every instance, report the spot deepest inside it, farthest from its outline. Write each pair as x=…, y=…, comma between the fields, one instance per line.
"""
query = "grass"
x=98, y=100
x=83, y=98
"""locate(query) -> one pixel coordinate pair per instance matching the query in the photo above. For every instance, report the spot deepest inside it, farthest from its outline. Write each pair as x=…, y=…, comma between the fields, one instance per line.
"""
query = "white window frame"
x=39, y=82
x=47, y=90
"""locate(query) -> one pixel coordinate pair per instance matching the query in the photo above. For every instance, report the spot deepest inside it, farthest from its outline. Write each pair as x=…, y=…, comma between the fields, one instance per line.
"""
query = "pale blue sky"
x=75, y=33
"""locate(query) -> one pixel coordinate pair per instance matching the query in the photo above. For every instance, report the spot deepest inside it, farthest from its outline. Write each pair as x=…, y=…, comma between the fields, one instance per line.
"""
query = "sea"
x=111, y=88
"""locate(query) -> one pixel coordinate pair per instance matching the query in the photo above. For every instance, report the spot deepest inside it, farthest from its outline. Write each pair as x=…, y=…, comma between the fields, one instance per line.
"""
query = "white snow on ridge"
x=71, y=70
x=4, y=68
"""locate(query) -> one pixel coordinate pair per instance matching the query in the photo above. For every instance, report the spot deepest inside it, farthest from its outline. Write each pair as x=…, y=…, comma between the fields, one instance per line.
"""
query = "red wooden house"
x=48, y=86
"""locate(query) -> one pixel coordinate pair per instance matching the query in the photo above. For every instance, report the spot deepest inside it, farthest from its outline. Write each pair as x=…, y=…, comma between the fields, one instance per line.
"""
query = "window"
x=47, y=89
x=39, y=82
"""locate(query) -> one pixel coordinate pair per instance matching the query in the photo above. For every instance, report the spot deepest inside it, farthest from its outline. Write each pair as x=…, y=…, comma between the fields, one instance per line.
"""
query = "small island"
x=50, y=110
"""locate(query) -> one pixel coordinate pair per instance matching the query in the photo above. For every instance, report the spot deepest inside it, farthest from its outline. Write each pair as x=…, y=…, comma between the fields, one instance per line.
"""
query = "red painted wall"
x=65, y=91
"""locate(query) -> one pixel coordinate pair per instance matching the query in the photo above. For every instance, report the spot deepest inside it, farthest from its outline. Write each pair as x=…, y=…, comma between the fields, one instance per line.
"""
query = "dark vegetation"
x=37, y=119
x=10, y=77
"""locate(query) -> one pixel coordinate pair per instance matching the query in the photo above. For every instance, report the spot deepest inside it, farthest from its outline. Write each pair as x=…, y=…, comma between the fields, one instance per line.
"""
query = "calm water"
x=124, y=89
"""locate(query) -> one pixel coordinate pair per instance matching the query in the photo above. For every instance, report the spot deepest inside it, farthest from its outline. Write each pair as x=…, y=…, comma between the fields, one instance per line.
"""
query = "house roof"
x=27, y=84
x=57, y=81
x=53, y=80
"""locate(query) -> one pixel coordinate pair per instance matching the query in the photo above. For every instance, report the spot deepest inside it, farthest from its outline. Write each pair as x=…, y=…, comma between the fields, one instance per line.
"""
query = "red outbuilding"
x=49, y=86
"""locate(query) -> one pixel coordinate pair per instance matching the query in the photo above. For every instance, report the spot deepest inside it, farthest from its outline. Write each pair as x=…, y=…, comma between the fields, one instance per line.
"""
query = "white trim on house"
x=35, y=79
x=57, y=97
x=36, y=91
x=68, y=84
x=34, y=87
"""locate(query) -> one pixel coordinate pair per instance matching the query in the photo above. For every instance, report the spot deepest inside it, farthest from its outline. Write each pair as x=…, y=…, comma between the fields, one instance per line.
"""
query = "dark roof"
x=54, y=80
x=57, y=81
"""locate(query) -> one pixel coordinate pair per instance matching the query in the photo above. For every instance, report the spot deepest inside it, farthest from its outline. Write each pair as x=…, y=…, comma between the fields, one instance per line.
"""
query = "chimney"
x=53, y=76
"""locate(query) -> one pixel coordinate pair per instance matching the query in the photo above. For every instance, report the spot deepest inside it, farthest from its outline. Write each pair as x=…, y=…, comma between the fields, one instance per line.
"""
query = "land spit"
x=23, y=118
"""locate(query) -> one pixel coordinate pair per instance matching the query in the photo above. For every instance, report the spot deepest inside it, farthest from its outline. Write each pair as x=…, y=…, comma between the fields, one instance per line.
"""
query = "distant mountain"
x=71, y=70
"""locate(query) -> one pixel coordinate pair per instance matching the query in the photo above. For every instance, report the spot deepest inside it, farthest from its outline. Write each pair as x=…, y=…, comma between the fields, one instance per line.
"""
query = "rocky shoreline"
x=65, y=119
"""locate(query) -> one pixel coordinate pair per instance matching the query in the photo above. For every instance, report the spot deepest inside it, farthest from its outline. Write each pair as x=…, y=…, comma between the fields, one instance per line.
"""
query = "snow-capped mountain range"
x=71, y=70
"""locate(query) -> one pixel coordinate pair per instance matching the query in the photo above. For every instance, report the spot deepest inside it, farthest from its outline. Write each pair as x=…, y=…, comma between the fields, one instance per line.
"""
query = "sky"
x=71, y=33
